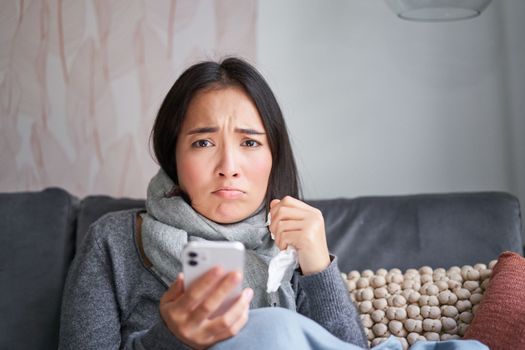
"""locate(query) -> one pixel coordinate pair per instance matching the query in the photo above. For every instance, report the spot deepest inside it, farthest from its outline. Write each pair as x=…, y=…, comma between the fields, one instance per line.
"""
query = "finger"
x=174, y=291
x=286, y=226
x=168, y=302
x=228, y=321
x=290, y=201
x=302, y=241
x=280, y=214
x=216, y=297
x=288, y=213
x=292, y=238
x=200, y=288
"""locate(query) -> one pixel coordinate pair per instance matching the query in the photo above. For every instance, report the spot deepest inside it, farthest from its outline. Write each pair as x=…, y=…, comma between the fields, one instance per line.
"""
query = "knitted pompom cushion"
x=423, y=304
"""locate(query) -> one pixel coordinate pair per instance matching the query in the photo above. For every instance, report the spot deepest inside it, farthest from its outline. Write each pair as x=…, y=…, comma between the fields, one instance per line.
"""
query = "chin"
x=225, y=221
x=228, y=219
x=230, y=214
x=226, y=212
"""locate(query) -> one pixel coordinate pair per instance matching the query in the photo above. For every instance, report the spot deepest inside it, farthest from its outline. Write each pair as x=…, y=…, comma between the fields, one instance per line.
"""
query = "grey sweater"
x=111, y=299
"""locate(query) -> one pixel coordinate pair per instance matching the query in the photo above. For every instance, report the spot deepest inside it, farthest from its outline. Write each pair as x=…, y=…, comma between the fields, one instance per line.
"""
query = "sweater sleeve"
x=324, y=298
x=90, y=317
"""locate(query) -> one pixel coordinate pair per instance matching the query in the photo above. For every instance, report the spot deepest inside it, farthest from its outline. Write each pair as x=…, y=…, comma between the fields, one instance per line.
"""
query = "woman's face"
x=223, y=157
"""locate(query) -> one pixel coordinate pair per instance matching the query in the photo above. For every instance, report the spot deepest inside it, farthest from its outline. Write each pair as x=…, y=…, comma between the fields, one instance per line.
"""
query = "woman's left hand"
x=295, y=223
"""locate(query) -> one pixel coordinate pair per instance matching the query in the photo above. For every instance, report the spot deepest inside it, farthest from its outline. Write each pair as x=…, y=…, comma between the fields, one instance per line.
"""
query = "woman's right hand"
x=186, y=312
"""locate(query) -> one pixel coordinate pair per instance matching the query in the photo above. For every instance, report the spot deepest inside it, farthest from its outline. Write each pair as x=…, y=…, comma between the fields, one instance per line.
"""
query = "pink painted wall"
x=81, y=82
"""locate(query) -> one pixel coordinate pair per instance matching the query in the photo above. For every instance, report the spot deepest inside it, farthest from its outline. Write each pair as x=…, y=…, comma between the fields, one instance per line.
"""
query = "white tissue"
x=267, y=223
x=280, y=264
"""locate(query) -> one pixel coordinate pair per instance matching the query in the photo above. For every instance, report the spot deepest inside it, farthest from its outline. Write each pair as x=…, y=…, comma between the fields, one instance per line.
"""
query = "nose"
x=228, y=164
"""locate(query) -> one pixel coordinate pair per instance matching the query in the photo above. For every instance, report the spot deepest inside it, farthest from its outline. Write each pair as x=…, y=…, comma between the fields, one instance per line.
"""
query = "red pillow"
x=500, y=319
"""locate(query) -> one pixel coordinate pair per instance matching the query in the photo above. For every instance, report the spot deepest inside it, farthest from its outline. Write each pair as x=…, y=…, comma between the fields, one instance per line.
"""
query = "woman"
x=226, y=162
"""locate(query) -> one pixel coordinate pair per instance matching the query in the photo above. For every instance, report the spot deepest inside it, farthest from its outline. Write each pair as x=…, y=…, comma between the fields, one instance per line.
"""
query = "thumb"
x=274, y=202
x=175, y=290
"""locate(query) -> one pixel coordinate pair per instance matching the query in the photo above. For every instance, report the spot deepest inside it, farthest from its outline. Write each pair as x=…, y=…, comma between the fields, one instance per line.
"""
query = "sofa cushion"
x=438, y=230
x=94, y=207
x=500, y=320
x=37, y=245
x=418, y=304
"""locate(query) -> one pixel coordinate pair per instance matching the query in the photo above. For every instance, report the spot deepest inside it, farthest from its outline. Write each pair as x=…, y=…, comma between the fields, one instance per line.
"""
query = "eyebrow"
x=212, y=129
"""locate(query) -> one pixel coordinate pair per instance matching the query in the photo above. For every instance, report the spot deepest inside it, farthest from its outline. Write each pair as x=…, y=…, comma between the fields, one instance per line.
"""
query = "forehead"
x=222, y=105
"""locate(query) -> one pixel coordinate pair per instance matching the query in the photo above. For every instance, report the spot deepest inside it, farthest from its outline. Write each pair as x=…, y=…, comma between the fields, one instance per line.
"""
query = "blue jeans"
x=277, y=328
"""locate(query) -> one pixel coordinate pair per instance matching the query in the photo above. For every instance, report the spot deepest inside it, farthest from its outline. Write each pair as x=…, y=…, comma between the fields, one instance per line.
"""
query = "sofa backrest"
x=438, y=230
x=36, y=248
x=93, y=207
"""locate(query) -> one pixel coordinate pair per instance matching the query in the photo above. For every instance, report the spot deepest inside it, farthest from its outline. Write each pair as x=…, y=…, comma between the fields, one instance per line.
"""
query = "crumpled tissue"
x=280, y=264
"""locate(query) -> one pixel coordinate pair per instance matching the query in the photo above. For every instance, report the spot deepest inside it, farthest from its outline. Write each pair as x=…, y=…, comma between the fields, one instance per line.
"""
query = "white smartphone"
x=198, y=257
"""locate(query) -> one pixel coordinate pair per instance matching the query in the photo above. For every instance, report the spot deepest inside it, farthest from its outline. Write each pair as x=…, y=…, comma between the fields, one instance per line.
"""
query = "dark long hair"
x=284, y=178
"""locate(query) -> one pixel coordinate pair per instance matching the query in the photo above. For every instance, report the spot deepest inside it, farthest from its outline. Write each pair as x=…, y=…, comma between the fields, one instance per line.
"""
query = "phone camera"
x=193, y=262
x=192, y=254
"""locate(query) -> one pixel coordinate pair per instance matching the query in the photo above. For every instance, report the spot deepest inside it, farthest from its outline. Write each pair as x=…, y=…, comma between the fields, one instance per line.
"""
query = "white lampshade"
x=437, y=10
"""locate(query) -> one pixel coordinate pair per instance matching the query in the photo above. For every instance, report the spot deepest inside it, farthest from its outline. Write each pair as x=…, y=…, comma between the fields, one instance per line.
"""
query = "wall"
x=377, y=105
x=514, y=27
x=81, y=82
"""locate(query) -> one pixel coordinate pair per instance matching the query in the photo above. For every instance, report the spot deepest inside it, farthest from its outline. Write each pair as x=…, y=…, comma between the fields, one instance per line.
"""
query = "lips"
x=229, y=193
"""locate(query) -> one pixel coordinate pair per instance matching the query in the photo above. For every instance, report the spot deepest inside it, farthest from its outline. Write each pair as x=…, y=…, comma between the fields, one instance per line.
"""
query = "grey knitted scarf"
x=170, y=223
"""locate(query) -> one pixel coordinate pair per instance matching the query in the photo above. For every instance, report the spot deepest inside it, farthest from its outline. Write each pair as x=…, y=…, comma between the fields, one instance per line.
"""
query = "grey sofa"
x=40, y=232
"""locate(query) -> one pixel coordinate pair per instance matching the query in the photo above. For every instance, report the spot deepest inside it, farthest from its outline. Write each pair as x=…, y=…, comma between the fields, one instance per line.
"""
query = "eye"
x=251, y=143
x=202, y=144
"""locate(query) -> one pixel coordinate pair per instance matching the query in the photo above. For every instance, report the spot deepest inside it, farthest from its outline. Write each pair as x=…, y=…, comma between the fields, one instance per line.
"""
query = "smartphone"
x=201, y=256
